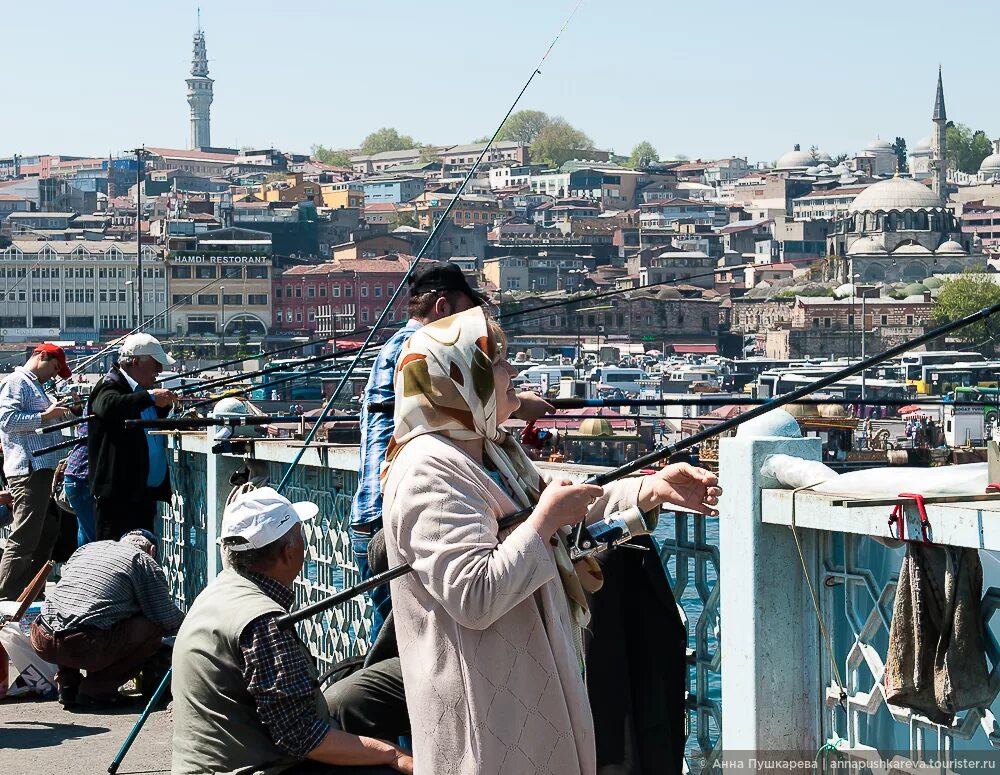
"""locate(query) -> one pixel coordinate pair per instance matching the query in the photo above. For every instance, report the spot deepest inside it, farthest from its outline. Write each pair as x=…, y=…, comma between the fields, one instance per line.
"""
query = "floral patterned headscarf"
x=444, y=384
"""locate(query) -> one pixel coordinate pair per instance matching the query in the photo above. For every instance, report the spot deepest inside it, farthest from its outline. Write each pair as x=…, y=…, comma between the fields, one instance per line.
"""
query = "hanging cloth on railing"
x=936, y=662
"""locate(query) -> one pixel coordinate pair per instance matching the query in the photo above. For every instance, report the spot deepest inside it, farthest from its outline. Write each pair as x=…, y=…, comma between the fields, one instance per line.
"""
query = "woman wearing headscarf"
x=489, y=623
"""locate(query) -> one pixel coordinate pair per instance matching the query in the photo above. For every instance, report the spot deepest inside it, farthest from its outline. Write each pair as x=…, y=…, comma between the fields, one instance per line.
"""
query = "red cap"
x=56, y=352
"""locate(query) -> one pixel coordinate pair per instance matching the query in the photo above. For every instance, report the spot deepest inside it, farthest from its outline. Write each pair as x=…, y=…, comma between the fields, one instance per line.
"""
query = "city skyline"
x=755, y=94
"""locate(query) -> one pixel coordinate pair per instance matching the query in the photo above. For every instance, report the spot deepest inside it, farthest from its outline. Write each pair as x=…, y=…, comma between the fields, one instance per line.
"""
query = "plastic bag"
x=29, y=674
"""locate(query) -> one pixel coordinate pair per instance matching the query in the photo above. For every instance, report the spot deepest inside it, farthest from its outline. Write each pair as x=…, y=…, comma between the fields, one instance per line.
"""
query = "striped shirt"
x=22, y=401
x=278, y=677
x=106, y=582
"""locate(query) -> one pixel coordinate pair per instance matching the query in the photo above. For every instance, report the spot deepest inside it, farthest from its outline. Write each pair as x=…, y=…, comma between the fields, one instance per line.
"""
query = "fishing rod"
x=416, y=261
x=269, y=353
x=61, y=445
x=116, y=342
x=204, y=385
x=583, y=543
x=387, y=407
x=619, y=291
x=232, y=421
x=64, y=424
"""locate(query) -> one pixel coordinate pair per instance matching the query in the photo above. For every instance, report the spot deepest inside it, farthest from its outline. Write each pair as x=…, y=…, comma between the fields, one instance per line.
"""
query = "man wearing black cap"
x=437, y=289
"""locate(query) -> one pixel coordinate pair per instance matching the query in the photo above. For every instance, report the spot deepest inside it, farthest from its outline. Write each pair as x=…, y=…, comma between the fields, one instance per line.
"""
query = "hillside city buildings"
x=722, y=255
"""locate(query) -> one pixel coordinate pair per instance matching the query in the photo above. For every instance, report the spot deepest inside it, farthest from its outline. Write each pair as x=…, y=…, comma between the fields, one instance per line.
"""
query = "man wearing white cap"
x=246, y=694
x=128, y=466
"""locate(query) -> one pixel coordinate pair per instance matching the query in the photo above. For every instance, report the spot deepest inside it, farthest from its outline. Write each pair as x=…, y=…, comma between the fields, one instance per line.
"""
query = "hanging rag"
x=936, y=663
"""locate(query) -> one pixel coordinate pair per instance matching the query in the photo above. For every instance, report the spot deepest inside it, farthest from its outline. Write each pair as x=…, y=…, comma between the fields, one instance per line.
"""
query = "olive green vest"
x=216, y=727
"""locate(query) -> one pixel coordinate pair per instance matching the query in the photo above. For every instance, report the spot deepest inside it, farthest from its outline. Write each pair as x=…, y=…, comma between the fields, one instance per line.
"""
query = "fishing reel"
x=615, y=529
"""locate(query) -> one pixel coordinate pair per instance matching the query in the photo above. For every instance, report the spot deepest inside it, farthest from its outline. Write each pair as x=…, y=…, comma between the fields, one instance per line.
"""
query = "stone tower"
x=939, y=143
x=199, y=94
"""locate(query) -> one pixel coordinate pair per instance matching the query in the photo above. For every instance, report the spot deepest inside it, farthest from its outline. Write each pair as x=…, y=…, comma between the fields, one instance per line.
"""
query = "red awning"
x=694, y=348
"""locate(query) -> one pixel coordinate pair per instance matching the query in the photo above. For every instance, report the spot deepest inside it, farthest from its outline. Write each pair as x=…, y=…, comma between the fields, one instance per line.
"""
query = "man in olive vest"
x=246, y=694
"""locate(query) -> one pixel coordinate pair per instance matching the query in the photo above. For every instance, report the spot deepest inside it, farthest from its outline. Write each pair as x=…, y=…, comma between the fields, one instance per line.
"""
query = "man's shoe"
x=68, y=697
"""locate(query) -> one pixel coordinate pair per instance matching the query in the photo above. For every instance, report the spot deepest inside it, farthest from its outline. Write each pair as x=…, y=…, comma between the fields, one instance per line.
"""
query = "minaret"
x=200, y=93
x=939, y=143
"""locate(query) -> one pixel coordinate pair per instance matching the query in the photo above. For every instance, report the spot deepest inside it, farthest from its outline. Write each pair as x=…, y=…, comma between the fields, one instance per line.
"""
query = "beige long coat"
x=493, y=684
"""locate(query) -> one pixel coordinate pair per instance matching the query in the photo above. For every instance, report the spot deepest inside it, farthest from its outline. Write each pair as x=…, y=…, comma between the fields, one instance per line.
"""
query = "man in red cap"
x=25, y=407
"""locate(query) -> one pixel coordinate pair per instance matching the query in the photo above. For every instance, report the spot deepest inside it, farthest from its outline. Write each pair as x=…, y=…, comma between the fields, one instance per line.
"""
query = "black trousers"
x=117, y=515
x=371, y=702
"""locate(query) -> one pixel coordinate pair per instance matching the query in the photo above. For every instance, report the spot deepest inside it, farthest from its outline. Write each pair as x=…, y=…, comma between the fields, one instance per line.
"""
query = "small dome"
x=795, y=160
x=879, y=145
x=911, y=249
x=832, y=411
x=823, y=157
x=668, y=293
x=864, y=246
x=895, y=194
x=915, y=289
x=923, y=145
x=801, y=410
x=932, y=283
x=596, y=426
x=991, y=164
x=950, y=248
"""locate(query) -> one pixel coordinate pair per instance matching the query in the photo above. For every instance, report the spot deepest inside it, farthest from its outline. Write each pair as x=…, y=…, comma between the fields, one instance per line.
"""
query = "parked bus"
x=913, y=363
x=942, y=379
x=987, y=396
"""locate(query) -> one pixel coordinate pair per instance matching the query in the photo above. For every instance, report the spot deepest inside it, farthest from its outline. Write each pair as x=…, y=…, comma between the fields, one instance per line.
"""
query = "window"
x=378, y=290
x=257, y=300
x=909, y=320
x=205, y=272
x=364, y=290
x=311, y=291
x=815, y=322
x=298, y=291
x=208, y=299
x=277, y=291
x=322, y=291
x=176, y=272
x=826, y=322
x=850, y=320
x=884, y=319
x=348, y=291
x=312, y=315
x=298, y=317
x=364, y=314
x=232, y=298
x=277, y=316
x=335, y=291
x=179, y=298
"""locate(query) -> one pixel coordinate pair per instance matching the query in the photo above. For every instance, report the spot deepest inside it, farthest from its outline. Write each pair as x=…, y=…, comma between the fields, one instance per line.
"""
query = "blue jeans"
x=379, y=595
x=78, y=494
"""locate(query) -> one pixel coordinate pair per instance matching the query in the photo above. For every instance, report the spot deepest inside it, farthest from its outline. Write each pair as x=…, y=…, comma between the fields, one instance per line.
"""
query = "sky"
x=703, y=79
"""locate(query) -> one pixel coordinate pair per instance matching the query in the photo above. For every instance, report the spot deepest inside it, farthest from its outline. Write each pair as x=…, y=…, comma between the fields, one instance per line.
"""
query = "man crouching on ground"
x=247, y=695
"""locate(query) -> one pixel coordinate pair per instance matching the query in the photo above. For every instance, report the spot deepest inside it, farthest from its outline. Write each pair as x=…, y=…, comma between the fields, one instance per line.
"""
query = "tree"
x=329, y=156
x=386, y=139
x=899, y=147
x=241, y=343
x=558, y=142
x=428, y=153
x=971, y=291
x=643, y=155
x=404, y=218
x=966, y=149
x=524, y=126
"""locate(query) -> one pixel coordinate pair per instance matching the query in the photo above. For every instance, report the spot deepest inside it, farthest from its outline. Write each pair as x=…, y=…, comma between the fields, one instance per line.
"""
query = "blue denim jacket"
x=376, y=428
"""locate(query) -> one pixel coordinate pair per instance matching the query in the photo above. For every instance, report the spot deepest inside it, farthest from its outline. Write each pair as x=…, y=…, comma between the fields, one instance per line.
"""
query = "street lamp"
x=222, y=339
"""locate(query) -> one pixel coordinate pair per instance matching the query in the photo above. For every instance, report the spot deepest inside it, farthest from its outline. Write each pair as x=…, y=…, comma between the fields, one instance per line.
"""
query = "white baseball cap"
x=144, y=344
x=261, y=517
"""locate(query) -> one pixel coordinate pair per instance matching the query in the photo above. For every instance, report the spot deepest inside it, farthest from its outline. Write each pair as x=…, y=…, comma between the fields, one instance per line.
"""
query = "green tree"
x=386, y=139
x=643, y=155
x=971, y=291
x=404, y=218
x=241, y=343
x=329, y=156
x=558, y=142
x=966, y=149
x=524, y=126
x=899, y=147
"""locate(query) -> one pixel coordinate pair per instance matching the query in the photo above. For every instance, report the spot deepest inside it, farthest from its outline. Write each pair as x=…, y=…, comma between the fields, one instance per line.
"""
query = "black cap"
x=442, y=276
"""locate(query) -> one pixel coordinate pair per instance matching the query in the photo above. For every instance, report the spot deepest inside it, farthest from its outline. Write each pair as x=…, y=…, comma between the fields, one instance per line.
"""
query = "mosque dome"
x=793, y=160
x=911, y=249
x=991, y=164
x=596, y=426
x=824, y=157
x=879, y=145
x=866, y=246
x=914, y=289
x=950, y=248
x=895, y=194
x=923, y=145
x=933, y=283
